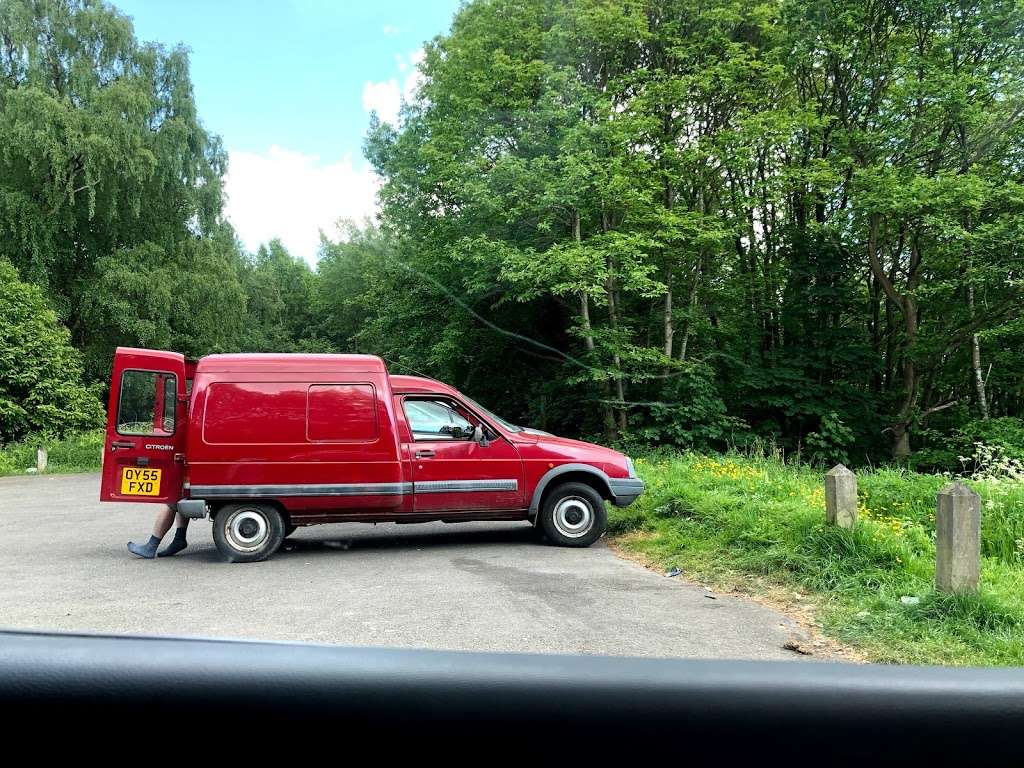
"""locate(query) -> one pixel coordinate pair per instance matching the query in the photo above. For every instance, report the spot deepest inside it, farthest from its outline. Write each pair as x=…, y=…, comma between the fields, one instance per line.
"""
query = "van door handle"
x=121, y=444
x=424, y=454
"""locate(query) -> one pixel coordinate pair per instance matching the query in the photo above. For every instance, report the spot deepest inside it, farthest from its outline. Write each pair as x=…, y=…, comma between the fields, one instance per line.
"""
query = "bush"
x=41, y=389
x=689, y=412
x=943, y=452
x=74, y=453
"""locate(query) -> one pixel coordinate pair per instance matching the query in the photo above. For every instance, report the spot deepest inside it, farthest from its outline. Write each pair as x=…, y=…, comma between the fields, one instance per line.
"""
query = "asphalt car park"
x=468, y=586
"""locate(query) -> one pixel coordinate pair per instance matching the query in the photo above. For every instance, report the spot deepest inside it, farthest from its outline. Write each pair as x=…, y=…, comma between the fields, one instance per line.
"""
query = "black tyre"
x=573, y=515
x=248, y=532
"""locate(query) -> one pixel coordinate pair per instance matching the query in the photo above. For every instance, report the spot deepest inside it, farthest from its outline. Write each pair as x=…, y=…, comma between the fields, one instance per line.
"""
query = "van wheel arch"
x=289, y=526
x=587, y=477
x=214, y=509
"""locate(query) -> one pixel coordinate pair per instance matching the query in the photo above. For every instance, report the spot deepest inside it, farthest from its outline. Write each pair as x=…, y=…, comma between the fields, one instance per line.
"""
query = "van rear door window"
x=146, y=405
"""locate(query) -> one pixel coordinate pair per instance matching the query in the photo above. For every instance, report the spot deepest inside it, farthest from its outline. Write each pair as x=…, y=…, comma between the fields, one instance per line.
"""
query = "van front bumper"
x=625, y=490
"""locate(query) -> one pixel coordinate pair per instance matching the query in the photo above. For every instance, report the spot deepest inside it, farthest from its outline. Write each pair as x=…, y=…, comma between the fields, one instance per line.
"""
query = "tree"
x=41, y=386
x=280, y=291
x=814, y=203
x=108, y=179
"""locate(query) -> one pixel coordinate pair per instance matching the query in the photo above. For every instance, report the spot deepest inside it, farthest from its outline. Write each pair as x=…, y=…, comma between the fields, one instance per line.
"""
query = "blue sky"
x=288, y=85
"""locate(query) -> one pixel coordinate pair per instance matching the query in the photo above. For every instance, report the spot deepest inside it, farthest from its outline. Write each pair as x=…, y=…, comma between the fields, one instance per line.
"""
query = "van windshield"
x=491, y=415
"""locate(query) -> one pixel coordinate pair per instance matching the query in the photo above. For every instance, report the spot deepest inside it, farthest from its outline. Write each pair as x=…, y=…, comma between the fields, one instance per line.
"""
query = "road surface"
x=470, y=586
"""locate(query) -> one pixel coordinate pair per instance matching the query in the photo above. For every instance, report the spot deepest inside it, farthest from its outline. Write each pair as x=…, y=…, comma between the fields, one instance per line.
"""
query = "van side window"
x=147, y=403
x=436, y=420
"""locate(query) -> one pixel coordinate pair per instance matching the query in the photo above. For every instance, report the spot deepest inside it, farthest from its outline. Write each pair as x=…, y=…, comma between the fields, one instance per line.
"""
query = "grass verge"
x=757, y=525
x=76, y=453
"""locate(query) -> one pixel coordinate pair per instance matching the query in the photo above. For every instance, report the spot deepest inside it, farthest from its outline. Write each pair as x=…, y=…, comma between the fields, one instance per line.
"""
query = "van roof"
x=275, y=362
x=419, y=384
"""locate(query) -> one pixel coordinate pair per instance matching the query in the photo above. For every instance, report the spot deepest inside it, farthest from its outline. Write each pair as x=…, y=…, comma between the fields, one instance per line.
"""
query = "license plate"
x=137, y=481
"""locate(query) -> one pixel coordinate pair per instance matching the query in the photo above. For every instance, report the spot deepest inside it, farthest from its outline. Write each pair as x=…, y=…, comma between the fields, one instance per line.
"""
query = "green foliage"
x=954, y=450
x=281, y=290
x=828, y=444
x=110, y=188
x=756, y=524
x=666, y=223
x=75, y=453
x=690, y=413
x=795, y=199
x=41, y=386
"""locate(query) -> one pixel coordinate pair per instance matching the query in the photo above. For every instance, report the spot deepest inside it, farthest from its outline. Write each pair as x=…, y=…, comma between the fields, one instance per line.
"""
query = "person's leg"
x=178, y=543
x=160, y=527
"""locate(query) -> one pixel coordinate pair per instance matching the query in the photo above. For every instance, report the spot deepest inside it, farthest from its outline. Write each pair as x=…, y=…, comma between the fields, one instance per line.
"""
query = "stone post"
x=41, y=458
x=841, y=497
x=957, y=539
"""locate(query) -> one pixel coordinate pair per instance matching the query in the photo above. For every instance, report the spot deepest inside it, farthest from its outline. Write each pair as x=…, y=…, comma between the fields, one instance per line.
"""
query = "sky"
x=289, y=86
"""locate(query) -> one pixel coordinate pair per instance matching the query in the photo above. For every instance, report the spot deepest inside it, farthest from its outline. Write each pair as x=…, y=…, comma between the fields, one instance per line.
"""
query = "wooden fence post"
x=841, y=497
x=957, y=539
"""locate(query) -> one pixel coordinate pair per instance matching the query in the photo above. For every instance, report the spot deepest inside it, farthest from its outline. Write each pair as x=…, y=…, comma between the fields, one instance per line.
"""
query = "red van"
x=264, y=443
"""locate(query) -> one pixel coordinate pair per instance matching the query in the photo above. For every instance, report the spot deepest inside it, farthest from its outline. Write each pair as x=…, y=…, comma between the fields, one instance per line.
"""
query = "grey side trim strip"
x=261, y=491
x=459, y=486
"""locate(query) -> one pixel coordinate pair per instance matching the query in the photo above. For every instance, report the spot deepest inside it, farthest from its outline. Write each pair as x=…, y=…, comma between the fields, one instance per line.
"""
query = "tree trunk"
x=588, y=337
x=669, y=321
x=901, y=431
x=979, y=379
x=691, y=306
x=876, y=331
x=669, y=330
x=691, y=303
x=613, y=320
x=620, y=390
x=908, y=308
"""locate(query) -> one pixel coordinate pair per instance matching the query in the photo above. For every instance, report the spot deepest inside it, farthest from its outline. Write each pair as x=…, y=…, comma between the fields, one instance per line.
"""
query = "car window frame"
x=428, y=437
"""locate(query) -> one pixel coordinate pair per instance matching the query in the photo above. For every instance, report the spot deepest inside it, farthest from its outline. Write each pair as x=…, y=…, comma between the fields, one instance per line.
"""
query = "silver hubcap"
x=247, y=530
x=573, y=517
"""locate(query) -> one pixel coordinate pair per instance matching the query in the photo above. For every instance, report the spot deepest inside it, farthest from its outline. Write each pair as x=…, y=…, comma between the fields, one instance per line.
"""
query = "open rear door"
x=144, y=452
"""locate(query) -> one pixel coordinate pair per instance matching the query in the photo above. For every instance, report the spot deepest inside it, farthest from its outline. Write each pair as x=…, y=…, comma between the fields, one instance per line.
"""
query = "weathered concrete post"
x=41, y=458
x=957, y=539
x=841, y=497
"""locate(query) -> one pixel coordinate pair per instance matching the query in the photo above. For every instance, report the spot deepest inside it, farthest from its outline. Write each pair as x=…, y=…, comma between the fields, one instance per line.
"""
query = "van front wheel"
x=247, y=533
x=573, y=515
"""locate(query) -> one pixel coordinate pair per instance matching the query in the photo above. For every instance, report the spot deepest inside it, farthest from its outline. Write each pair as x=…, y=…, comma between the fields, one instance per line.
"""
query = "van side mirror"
x=485, y=436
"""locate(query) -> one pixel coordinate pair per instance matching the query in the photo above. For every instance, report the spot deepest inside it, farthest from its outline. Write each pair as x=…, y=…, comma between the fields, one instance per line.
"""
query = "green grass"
x=757, y=524
x=77, y=453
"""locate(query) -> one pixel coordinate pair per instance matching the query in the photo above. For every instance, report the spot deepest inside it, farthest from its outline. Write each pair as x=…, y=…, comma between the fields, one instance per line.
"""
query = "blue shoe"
x=173, y=548
x=147, y=551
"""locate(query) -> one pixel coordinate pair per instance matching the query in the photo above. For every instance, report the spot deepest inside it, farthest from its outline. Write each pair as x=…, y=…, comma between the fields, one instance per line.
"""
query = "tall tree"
x=107, y=178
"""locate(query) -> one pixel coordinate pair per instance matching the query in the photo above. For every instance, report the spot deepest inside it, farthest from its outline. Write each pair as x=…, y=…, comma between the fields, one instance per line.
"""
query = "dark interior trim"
x=597, y=705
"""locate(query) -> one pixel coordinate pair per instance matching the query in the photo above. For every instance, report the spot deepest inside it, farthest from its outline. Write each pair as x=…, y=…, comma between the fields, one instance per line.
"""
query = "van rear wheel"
x=247, y=532
x=573, y=515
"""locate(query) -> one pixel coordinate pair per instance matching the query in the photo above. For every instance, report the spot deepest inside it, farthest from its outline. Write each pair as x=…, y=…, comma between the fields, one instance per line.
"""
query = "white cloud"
x=291, y=195
x=390, y=30
x=385, y=97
